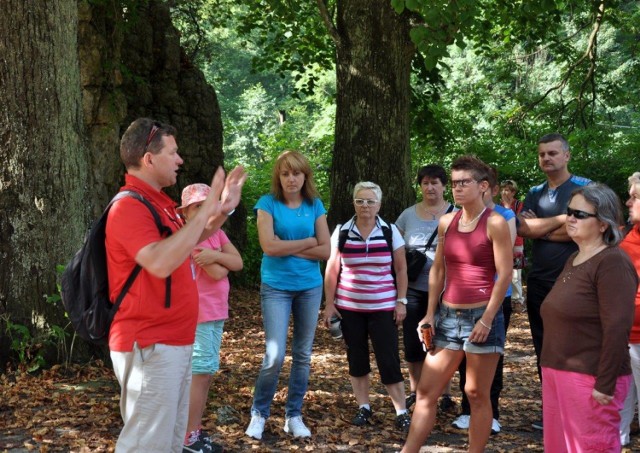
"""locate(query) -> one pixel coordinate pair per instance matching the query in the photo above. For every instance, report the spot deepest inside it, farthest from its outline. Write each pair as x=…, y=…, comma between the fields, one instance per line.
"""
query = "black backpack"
x=85, y=284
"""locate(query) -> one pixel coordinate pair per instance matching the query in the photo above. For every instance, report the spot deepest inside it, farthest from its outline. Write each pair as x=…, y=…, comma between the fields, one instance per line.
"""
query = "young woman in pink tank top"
x=474, y=244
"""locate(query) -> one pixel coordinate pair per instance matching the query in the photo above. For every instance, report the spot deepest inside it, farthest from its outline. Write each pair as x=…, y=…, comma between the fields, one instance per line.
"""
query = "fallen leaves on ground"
x=77, y=409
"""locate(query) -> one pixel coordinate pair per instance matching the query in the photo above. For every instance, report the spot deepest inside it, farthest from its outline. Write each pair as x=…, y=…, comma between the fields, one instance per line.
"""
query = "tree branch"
x=328, y=22
x=590, y=53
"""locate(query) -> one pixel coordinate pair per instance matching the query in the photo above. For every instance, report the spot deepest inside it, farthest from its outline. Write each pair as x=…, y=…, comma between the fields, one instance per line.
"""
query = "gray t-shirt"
x=549, y=257
x=417, y=232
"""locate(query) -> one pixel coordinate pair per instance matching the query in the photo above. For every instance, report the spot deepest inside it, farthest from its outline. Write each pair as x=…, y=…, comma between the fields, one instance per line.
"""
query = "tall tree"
x=44, y=162
x=373, y=68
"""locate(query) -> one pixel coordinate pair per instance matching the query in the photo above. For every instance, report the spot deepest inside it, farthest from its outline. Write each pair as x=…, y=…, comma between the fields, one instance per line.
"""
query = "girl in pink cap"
x=212, y=261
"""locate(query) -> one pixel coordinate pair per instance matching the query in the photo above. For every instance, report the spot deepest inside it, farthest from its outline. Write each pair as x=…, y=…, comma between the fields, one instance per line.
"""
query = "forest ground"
x=76, y=409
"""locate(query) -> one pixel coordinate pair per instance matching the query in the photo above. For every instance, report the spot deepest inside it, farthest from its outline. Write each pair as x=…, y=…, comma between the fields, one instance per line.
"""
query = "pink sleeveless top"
x=470, y=266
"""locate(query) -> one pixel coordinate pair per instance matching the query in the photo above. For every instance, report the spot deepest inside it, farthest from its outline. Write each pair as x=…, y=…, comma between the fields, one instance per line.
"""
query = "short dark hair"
x=432, y=171
x=470, y=163
x=555, y=137
x=140, y=138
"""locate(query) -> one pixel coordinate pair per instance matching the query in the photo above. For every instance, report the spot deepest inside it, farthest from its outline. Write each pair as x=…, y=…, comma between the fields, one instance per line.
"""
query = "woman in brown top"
x=587, y=318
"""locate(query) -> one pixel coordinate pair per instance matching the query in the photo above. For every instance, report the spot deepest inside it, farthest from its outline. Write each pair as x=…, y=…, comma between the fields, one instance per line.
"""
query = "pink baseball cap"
x=194, y=193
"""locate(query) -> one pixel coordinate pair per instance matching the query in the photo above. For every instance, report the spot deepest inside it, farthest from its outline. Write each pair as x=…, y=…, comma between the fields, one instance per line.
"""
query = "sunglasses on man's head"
x=154, y=129
x=580, y=215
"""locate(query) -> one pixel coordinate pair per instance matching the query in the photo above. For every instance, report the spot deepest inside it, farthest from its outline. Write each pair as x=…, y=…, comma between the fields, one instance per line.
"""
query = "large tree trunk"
x=44, y=171
x=55, y=177
x=374, y=55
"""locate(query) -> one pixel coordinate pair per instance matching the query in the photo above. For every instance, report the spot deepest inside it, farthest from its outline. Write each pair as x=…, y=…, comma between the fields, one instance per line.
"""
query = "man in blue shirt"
x=543, y=220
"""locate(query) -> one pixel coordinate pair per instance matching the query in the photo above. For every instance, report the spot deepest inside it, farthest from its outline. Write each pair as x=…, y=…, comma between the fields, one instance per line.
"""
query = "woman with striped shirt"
x=365, y=285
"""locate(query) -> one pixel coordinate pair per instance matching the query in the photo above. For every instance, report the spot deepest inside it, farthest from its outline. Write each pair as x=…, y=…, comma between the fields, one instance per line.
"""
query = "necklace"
x=438, y=212
x=473, y=221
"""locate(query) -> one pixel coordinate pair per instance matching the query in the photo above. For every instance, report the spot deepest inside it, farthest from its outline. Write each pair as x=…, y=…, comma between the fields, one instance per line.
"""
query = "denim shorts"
x=206, y=348
x=454, y=325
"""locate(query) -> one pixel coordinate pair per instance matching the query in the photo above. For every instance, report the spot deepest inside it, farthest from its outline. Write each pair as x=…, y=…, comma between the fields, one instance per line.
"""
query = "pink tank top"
x=469, y=262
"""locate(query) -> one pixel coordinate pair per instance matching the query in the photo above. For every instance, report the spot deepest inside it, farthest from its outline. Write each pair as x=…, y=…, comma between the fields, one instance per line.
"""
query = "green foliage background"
x=490, y=83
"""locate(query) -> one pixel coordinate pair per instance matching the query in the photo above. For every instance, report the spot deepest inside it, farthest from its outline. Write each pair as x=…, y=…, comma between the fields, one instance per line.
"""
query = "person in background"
x=152, y=333
x=360, y=289
x=214, y=258
x=463, y=421
x=294, y=236
x=588, y=315
x=543, y=219
x=419, y=226
x=631, y=245
x=508, y=191
x=465, y=299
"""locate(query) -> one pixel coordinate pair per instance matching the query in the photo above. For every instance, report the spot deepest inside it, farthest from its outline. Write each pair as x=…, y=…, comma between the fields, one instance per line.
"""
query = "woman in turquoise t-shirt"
x=294, y=236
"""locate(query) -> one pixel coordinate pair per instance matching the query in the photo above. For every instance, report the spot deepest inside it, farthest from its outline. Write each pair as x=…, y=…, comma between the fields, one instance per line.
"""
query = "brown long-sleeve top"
x=587, y=318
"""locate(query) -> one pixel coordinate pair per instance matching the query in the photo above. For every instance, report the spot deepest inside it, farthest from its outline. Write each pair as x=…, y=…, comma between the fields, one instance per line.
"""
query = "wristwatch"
x=402, y=300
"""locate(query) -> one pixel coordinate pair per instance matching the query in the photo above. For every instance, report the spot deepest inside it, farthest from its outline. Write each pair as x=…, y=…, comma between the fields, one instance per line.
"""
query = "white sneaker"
x=256, y=426
x=462, y=422
x=495, y=426
x=295, y=426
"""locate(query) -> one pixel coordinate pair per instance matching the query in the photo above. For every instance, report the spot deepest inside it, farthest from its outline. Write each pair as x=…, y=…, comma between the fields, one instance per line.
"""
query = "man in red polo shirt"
x=151, y=336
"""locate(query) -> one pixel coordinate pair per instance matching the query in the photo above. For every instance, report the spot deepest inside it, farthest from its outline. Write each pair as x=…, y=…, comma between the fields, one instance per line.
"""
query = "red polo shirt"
x=142, y=316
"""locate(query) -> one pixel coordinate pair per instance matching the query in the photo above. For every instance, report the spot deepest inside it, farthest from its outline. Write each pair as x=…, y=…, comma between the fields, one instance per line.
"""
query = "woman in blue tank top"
x=294, y=236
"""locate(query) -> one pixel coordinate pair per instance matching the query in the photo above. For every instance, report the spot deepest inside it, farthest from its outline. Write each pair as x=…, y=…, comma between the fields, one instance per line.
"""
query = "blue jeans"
x=277, y=307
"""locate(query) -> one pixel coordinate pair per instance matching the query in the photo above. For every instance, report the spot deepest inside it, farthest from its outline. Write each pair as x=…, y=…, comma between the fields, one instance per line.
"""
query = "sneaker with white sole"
x=538, y=425
x=296, y=426
x=256, y=427
x=462, y=422
x=495, y=426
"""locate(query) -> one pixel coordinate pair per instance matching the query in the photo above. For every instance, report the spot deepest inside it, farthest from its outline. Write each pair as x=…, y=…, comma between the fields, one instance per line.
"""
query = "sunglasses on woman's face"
x=365, y=202
x=580, y=215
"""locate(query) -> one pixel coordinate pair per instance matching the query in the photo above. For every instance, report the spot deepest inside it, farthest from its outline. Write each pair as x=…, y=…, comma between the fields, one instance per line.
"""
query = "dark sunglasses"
x=154, y=130
x=580, y=215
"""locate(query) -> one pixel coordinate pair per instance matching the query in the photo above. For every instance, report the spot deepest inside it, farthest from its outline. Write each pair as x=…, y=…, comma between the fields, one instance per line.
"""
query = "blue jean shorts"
x=206, y=348
x=454, y=325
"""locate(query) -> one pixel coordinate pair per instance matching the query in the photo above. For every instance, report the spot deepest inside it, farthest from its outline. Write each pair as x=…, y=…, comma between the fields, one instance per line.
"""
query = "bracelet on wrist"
x=484, y=325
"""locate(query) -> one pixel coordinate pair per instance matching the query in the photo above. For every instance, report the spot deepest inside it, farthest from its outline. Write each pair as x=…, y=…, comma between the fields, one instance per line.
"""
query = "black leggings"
x=357, y=328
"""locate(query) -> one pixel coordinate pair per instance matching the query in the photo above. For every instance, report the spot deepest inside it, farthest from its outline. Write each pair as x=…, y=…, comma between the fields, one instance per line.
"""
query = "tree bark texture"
x=43, y=176
x=73, y=75
x=373, y=57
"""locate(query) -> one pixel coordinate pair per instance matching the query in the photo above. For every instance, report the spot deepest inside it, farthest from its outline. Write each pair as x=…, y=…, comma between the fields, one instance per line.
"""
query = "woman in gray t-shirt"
x=419, y=225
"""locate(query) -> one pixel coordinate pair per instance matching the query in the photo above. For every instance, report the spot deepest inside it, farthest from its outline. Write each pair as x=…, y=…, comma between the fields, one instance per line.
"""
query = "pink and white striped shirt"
x=366, y=283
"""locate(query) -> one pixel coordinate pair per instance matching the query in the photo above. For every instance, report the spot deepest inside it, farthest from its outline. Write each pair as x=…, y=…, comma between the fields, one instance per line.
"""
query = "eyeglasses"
x=580, y=215
x=364, y=202
x=154, y=130
x=462, y=182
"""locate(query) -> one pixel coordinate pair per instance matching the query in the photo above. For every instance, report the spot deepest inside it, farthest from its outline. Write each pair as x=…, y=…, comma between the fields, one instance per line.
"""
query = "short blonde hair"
x=368, y=185
x=634, y=180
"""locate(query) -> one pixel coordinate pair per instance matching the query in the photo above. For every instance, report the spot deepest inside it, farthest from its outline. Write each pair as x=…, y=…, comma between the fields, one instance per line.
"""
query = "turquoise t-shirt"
x=291, y=273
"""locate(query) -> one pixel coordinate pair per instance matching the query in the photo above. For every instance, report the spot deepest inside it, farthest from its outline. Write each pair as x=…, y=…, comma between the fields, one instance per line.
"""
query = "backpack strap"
x=164, y=230
x=387, y=232
x=343, y=235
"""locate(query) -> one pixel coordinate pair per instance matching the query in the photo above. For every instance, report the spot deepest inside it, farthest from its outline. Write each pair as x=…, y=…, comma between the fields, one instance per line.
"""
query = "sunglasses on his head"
x=580, y=215
x=154, y=130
